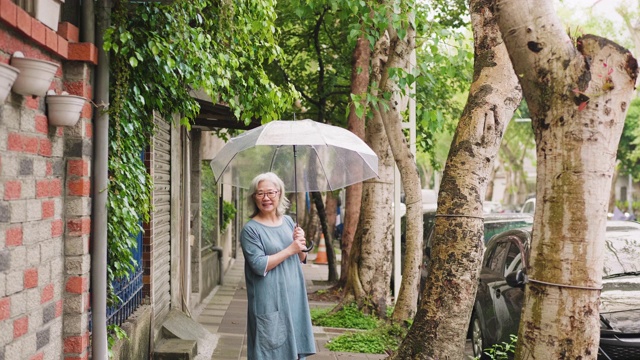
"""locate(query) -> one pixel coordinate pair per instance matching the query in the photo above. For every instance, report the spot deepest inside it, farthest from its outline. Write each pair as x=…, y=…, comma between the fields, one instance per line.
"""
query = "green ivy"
x=228, y=213
x=159, y=53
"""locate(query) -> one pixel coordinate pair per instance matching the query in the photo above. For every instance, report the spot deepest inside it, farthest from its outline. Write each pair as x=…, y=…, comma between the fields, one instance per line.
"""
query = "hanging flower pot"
x=64, y=110
x=35, y=75
x=8, y=75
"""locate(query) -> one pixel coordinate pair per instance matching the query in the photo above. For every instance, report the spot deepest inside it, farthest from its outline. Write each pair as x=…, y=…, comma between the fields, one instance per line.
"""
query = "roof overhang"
x=217, y=116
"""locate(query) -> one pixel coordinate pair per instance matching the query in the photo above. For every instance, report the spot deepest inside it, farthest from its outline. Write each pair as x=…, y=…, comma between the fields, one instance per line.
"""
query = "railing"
x=129, y=290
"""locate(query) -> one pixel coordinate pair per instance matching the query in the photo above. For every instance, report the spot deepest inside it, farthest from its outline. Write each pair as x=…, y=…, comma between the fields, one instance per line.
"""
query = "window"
x=26, y=5
x=513, y=261
x=495, y=261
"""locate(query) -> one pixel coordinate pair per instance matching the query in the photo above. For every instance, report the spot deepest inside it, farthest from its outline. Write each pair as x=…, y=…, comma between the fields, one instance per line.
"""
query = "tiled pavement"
x=226, y=316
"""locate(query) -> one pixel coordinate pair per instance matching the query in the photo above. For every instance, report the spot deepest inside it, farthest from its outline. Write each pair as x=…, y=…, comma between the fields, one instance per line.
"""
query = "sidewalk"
x=225, y=315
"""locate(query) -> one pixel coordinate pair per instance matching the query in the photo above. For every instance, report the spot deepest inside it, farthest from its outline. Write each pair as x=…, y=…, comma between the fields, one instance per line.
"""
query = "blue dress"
x=278, y=322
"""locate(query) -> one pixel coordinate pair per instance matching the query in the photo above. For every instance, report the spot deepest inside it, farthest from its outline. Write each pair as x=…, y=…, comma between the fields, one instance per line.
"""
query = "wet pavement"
x=225, y=315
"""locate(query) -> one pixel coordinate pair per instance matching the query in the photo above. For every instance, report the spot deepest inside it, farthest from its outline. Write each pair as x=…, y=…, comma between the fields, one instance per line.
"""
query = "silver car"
x=498, y=304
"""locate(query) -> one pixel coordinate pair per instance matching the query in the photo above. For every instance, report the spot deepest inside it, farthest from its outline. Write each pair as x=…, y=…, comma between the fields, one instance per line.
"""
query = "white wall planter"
x=64, y=110
x=48, y=12
x=35, y=75
x=8, y=75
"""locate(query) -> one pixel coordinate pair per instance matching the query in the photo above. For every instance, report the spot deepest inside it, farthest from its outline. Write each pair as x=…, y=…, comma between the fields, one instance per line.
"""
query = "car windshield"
x=622, y=250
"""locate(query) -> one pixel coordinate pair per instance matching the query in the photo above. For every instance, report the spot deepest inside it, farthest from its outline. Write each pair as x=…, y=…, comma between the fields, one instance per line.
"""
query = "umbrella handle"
x=309, y=248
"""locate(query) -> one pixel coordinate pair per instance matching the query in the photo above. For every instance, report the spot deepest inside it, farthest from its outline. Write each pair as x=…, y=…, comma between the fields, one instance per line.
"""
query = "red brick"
x=80, y=187
x=51, y=39
x=83, y=52
x=59, y=307
x=78, y=227
x=30, y=144
x=13, y=236
x=14, y=142
x=20, y=326
x=49, y=170
x=47, y=294
x=56, y=228
x=33, y=102
x=60, y=131
x=37, y=32
x=87, y=109
x=8, y=12
x=31, y=278
x=42, y=125
x=76, y=344
x=48, y=209
x=78, y=88
x=24, y=21
x=55, y=188
x=63, y=47
x=69, y=32
x=77, y=284
x=38, y=356
x=78, y=167
x=46, y=148
x=12, y=190
x=83, y=356
x=42, y=188
x=89, y=131
x=5, y=308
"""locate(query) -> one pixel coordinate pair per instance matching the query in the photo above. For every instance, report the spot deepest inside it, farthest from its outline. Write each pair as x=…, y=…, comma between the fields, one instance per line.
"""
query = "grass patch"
x=381, y=340
x=349, y=318
x=376, y=336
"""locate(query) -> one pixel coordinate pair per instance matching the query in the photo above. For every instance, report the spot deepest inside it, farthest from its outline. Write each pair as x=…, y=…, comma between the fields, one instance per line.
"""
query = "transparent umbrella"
x=307, y=155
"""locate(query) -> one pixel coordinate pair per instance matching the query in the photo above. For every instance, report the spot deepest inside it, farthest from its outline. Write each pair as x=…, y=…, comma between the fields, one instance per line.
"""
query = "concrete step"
x=175, y=349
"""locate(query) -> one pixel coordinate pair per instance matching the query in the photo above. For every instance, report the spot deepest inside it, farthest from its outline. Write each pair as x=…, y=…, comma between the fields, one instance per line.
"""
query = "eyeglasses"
x=271, y=194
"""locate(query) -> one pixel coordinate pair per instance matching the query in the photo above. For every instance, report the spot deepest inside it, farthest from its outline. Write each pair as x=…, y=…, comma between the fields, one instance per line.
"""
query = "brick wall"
x=45, y=205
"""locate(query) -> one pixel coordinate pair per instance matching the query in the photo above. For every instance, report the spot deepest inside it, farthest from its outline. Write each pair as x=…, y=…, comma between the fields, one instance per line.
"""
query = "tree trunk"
x=328, y=237
x=398, y=53
x=369, y=278
x=440, y=326
x=353, y=196
x=578, y=98
x=331, y=208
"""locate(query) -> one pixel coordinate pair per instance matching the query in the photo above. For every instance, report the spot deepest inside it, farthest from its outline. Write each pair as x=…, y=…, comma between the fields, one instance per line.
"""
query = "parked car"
x=498, y=303
x=529, y=206
x=494, y=223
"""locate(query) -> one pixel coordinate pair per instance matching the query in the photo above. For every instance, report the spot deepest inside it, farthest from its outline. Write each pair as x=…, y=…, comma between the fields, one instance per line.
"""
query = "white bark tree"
x=440, y=326
x=395, y=55
x=369, y=276
x=578, y=91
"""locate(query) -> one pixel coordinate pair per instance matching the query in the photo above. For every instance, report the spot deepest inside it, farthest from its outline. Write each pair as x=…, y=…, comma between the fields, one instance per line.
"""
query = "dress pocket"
x=271, y=330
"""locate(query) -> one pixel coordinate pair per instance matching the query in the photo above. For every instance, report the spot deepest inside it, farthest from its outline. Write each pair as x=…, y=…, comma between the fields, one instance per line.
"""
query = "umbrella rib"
x=323, y=169
x=273, y=158
x=226, y=166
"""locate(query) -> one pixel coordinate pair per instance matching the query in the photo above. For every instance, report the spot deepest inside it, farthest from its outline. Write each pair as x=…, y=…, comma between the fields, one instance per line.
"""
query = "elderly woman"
x=279, y=323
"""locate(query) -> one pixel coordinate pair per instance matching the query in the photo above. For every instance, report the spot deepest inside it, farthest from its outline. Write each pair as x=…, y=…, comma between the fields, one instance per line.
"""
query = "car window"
x=495, y=259
x=493, y=228
x=513, y=260
x=622, y=251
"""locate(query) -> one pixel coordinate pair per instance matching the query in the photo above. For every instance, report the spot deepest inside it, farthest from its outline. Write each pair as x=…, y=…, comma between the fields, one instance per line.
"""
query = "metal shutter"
x=161, y=218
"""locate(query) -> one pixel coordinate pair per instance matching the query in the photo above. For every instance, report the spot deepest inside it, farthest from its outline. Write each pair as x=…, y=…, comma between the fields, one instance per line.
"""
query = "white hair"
x=283, y=203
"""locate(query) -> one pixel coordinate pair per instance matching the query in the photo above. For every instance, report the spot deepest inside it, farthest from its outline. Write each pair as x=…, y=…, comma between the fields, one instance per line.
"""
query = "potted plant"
x=35, y=76
x=64, y=109
x=8, y=75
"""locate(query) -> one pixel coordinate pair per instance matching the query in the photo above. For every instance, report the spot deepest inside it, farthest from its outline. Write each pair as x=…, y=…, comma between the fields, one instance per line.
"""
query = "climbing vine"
x=159, y=54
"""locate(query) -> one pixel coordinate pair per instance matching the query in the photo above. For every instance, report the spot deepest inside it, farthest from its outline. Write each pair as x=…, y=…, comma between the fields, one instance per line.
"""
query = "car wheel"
x=477, y=343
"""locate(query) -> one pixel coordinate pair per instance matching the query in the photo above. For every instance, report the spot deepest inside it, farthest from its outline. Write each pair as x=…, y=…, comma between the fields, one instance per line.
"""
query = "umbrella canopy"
x=305, y=154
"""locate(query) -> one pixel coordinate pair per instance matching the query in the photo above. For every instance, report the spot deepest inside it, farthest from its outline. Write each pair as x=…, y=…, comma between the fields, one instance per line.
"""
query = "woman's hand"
x=301, y=242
